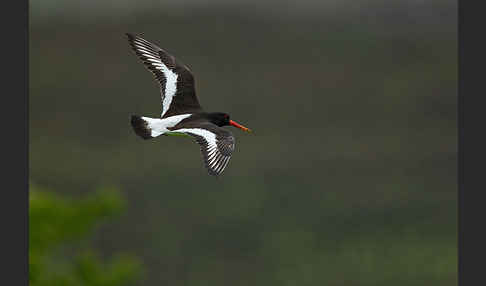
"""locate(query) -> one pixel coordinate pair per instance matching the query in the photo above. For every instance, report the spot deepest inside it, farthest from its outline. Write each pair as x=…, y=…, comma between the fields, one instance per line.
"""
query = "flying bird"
x=181, y=112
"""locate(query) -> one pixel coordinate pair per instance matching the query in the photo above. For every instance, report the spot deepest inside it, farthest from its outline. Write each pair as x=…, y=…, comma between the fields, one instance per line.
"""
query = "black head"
x=219, y=118
x=223, y=119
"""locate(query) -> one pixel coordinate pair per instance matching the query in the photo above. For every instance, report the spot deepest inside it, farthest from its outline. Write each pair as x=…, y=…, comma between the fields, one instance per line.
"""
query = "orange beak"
x=239, y=126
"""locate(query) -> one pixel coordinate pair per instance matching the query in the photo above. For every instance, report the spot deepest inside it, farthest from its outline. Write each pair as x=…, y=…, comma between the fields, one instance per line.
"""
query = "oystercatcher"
x=181, y=112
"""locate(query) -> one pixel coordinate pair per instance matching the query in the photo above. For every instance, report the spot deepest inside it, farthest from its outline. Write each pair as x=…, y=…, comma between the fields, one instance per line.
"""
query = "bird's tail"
x=142, y=127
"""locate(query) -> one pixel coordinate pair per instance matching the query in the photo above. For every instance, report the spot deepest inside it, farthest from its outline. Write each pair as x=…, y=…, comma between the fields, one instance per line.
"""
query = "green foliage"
x=58, y=228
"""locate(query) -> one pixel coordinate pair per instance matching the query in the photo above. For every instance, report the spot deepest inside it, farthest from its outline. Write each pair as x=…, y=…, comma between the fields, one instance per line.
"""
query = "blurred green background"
x=348, y=179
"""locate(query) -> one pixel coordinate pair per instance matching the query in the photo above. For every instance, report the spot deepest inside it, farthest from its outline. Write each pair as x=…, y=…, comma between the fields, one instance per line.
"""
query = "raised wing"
x=217, y=145
x=176, y=81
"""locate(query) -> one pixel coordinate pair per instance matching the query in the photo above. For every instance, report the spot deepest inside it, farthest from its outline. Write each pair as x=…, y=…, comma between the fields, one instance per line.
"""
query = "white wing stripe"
x=214, y=156
x=152, y=56
x=211, y=155
x=211, y=158
x=220, y=161
x=216, y=162
x=222, y=164
x=210, y=150
x=145, y=47
x=170, y=88
x=143, y=41
x=208, y=135
x=225, y=162
x=146, y=50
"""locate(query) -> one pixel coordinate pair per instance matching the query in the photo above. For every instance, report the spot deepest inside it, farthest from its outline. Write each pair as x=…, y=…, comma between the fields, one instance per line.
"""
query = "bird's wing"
x=217, y=145
x=177, y=86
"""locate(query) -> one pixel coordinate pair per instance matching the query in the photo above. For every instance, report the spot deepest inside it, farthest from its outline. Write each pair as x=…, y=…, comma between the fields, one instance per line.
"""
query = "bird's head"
x=223, y=119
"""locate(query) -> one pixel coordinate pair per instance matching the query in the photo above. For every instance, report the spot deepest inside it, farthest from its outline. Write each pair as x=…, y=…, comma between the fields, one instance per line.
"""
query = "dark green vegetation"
x=59, y=232
x=349, y=179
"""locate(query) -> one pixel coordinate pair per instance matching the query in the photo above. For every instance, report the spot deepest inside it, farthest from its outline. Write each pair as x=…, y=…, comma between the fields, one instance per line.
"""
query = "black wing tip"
x=213, y=173
x=132, y=37
x=140, y=127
